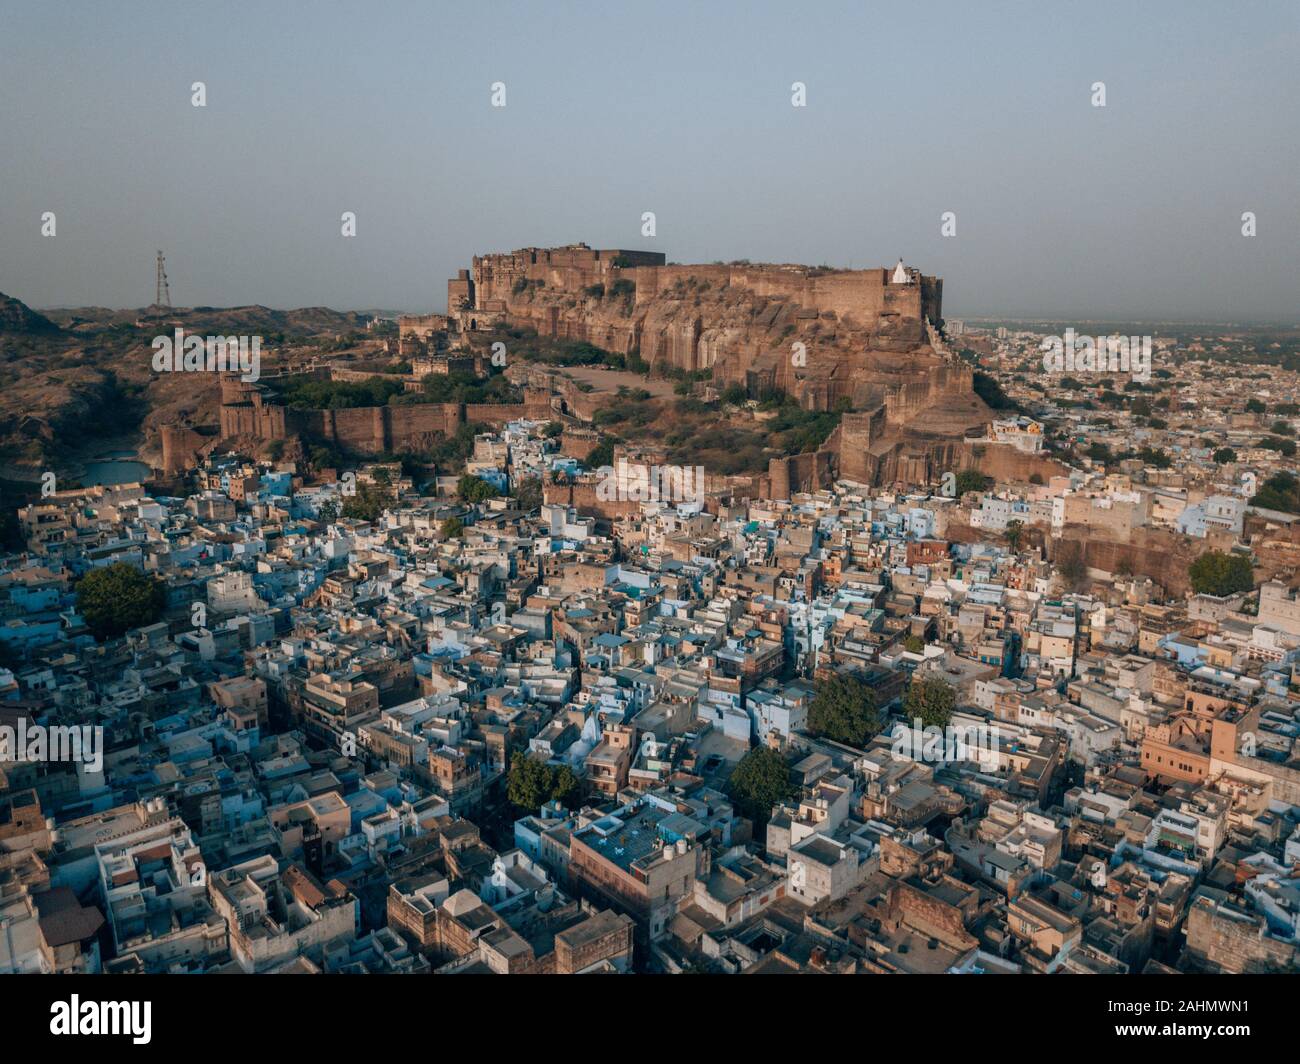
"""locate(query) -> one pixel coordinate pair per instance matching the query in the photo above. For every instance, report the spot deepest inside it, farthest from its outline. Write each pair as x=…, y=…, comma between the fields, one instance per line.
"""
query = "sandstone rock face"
x=824, y=336
x=868, y=340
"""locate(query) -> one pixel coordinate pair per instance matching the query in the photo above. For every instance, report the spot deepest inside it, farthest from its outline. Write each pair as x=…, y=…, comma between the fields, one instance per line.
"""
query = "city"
x=593, y=610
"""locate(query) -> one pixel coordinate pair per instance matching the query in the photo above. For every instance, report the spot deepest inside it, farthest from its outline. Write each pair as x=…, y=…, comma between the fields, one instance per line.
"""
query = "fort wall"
x=248, y=410
x=738, y=320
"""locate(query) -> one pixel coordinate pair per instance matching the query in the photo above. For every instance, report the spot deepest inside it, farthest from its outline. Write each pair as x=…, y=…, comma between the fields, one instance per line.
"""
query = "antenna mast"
x=163, y=298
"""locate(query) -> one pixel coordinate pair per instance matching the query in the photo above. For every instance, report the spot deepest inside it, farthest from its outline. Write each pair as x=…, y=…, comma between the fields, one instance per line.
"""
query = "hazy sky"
x=612, y=109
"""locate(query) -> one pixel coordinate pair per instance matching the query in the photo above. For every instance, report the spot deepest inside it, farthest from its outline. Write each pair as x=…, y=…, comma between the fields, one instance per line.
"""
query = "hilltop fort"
x=867, y=344
x=819, y=334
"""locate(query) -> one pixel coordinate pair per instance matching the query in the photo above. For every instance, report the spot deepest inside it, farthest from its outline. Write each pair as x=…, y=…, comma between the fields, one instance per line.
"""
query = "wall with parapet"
x=248, y=411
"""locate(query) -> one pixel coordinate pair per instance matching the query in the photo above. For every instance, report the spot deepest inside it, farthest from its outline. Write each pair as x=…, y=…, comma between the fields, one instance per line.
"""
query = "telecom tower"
x=164, y=296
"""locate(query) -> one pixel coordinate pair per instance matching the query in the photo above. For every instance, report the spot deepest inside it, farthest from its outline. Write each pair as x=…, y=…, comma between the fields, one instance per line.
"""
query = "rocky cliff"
x=824, y=336
x=865, y=340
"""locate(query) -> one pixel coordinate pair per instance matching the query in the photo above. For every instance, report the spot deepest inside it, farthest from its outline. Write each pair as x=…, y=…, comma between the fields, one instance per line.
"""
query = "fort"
x=820, y=334
x=866, y=341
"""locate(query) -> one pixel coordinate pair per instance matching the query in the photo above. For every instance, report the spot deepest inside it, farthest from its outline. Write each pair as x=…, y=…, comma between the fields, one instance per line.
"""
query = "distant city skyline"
x=1127, y=212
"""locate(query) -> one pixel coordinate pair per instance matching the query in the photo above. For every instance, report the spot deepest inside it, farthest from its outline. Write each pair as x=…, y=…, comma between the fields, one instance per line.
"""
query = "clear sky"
x=1063, y=209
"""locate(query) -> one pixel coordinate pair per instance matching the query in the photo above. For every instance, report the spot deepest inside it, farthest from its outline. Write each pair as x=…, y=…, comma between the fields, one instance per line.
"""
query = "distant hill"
x=250, y=320
x=73, y=378
x=17, y=317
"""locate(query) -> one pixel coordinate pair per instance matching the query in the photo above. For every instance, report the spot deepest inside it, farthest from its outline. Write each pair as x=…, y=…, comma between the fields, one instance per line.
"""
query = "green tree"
x=474, y=489
x=532, y=783
x=119, y=597
x=760, y=781
x=453, y=528
x=972, y=480
x=1254, y=406
x=1225, y=456
x=528, y=494
x=601, y=455
x=844, y=709
x=1280, y=492
x=1277, y=443
x=1015, y=531
x=914, y=644
x=930, y=698
x=1217, y=573
x=735, y=394
x=367, y=504
x=1071, y=565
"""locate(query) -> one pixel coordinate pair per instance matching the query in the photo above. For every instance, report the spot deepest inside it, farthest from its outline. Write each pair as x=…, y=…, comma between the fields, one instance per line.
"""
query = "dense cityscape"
x=648, y=490
x=551, y=703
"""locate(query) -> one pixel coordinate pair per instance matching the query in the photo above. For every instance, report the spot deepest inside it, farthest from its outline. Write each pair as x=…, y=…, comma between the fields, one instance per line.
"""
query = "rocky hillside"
x=18, y=319
x=752, y=333
x=79, y=381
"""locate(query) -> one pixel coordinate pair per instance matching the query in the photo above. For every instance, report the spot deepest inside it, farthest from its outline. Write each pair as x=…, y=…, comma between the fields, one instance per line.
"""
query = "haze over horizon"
x=1127, y=212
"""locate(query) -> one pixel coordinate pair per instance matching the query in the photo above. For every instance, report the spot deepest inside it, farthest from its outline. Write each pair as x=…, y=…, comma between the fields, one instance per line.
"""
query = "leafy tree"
x=1015, y=532
x=930, y=698
x=328, y=512
x=1099, y=452
x=972, y=480
x=601, y=455
x=453, y=528
x=119, y=597
x=1254, y=406
x=475, y=489
x=528, y=494
x=1280, y=492
x=914, y=644
x=1071, y=565
x=323, y=458
x=988, y=389
x=760, y=781
x=553, y=429
x=1216, y=573
x=367, y=504
x=532, y=783
x=1277, y=443
x=844, y=709
x=1225, y=456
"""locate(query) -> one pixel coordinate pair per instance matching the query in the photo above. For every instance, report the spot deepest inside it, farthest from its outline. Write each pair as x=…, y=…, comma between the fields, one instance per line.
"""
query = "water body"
x=116, y=467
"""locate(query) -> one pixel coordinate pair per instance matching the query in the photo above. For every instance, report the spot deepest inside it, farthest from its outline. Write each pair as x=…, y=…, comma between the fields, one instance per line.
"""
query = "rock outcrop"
x=17, y=317
x=823, y=336
x=865, y=340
